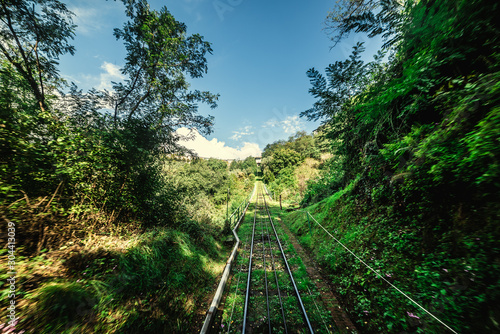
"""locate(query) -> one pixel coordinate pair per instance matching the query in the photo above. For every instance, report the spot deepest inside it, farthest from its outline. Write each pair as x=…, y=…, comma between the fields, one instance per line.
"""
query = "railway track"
x=269, y=291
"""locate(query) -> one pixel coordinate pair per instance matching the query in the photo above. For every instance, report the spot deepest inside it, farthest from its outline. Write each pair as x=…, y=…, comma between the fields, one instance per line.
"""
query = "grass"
x=157, y=281
x=121, y=278
x=444, y=285
x=60, y=306
x=291, y=307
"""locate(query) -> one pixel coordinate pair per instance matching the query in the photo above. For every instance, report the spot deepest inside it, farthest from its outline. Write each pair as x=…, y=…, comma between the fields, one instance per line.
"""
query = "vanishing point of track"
x=271, y=301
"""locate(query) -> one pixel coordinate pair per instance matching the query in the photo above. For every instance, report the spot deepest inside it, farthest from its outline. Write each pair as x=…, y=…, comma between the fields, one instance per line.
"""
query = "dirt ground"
x=331, y=303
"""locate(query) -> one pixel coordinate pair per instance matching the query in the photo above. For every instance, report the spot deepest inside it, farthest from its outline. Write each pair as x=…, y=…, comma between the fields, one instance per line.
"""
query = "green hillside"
x=413, y=188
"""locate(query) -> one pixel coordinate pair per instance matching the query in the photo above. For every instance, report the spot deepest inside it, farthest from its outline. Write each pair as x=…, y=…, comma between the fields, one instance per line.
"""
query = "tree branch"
x=133, y=110
x=128, y=93
x=35, y=49
x=26, y=73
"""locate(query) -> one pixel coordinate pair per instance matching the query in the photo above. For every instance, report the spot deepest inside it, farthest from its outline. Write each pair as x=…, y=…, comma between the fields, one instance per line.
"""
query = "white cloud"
x=87, y=20
x=94, y=16
x=217, y=149
x=290, y=125
x=99, y=81
x=246, y=131
x=272, y=123
x=112, y=73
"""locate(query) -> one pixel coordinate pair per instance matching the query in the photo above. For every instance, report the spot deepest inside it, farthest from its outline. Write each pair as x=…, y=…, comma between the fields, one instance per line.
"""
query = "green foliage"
x=307, y=146
x=61, y=305
x=159, y=57
x=330, y=181
x=249, y=165
x=371, y=106
x=165, y=270
x=202, y=187
x=268, y=176
x=417, y=139
x=63, y=149
x=287, y=165
x=343, y=80
x=162, y=271
x=72, y=172
x=31, y=40
x=483, y=153
x=208, y=177
x=338, y=103
x=367, y=16
x=283, y=159
x=285, y=181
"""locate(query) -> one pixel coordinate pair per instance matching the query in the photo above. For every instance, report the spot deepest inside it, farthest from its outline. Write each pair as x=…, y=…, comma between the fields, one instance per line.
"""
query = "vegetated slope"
x=288, y=165
x=416, y=173
x=453, y=274
x=111, y=235
x=124, y=277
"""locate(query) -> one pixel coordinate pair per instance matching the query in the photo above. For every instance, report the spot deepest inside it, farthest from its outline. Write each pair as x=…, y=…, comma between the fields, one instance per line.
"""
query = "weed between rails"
x=231, y=319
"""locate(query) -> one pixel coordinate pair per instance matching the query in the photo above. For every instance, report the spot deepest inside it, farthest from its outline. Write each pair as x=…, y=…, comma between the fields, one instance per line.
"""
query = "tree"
x=271, y=148
x=155, y=100
x=304, y=144
x=218, y=166
x=282, y=159
x=367, y=16
x=268, y=176
x=236, y=164
x=33, y=34
x=343, y=80
x=250, y=165
x=159, y=57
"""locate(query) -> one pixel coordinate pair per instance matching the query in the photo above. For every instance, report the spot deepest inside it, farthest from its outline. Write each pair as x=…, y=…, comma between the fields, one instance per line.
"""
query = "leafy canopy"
x=374, y=17
x=160, y=56
x=33, y=34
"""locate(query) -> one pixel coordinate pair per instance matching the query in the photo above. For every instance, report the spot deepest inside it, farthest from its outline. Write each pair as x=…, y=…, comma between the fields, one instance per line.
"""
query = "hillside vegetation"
x=413, y=185
x=288, y=165
x=99, y=275
x=107, y=232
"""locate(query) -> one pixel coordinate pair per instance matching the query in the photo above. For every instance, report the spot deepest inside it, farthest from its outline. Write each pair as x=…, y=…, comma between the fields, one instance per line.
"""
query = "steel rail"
x=225, y=275
x=247, y=295
x=319, y=312
x=235, y=292
x=289, y=271
x=276, y=278
x=265, y=274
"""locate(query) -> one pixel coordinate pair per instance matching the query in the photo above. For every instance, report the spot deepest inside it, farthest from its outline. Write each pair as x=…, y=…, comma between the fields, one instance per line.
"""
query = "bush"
x=60, y=306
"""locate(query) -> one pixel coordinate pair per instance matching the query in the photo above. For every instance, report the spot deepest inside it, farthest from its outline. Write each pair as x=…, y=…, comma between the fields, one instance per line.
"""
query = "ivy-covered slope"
x=449, y=263
x=417, y=149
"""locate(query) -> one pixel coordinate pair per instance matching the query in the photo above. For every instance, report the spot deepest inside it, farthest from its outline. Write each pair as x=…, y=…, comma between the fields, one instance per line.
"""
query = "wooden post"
x=308, y=222
x=228, y=223
x=227, y=206
x=280, y=204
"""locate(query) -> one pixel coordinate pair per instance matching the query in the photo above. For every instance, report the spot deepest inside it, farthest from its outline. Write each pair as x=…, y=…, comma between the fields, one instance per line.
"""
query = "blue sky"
x=261, y=52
